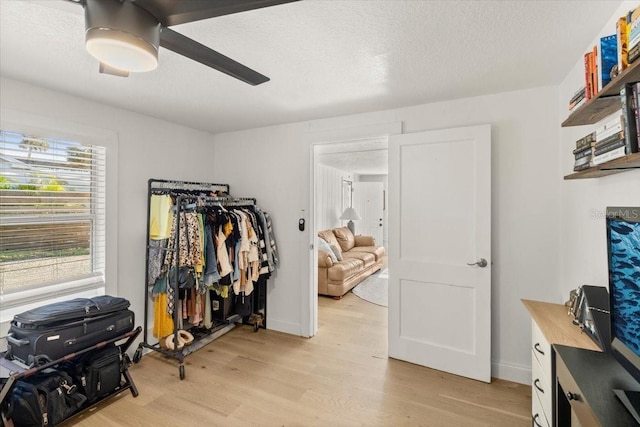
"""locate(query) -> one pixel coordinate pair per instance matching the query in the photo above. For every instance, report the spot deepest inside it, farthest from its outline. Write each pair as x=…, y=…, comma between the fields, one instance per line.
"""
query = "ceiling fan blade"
x=107, y=69
x=198, y=52
x=171, y=12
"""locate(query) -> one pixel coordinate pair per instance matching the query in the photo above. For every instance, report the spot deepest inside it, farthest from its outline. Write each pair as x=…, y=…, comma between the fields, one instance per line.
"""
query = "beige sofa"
x=360, y=258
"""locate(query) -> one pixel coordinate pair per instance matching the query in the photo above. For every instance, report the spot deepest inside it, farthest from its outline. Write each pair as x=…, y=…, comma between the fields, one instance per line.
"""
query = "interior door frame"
x=309, y=294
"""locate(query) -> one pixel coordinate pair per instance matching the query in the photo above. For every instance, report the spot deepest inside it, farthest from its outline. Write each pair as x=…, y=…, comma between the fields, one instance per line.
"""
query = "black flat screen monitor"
x=623, y=246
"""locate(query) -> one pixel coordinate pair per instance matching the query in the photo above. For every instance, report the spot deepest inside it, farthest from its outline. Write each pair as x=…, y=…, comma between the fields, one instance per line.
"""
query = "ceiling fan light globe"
x=121, y=50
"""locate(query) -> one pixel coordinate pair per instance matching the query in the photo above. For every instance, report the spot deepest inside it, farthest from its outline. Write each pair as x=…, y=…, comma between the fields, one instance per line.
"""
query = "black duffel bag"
x=44, y=399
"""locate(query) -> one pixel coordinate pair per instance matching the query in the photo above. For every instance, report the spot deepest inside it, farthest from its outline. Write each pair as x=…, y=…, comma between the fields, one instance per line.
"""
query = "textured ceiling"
x=324, y=58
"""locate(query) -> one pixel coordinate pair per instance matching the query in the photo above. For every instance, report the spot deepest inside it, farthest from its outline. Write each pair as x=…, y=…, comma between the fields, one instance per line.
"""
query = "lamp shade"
x=350, y=214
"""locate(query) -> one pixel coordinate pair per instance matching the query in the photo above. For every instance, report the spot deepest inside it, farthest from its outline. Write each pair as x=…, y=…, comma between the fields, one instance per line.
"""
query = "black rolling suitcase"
x=55, y=330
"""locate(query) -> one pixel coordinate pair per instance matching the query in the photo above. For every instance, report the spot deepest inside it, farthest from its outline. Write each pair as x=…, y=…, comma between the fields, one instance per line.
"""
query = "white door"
x=440, y=221
x=367, y=200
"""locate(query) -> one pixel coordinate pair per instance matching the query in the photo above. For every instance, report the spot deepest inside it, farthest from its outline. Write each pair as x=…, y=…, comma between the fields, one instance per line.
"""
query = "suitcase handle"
x=16, y=342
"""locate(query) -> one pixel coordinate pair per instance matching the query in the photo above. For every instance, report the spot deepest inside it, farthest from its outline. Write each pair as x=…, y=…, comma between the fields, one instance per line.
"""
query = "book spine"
x=621, y=32
x=584, y=153
x=585, y=141
x=594, y=70
x=609, y=139
x=616, y=144
x=587, y=79
x=636, y=110
x=608, y=57
x=608, y=132
x=609, y=155
x=581, y=167
x=633, y=53
x=629, y=120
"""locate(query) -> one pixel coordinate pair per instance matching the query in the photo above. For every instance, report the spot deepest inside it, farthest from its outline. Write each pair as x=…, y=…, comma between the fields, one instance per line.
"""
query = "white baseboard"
x=510, y=372
x=286, y=327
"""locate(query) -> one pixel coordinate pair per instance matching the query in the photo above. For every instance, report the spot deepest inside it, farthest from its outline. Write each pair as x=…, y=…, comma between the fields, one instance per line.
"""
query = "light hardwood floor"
x=341, y=377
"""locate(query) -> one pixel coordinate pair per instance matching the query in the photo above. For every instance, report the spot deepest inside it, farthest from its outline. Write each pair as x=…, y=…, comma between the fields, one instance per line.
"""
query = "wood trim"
x=555, y=323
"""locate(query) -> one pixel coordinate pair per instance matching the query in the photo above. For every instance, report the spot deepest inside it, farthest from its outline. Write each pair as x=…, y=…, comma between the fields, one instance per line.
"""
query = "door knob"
x=482, y=263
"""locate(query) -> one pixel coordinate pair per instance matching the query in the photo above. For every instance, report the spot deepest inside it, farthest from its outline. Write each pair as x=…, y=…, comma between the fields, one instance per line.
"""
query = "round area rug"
x=374, y=288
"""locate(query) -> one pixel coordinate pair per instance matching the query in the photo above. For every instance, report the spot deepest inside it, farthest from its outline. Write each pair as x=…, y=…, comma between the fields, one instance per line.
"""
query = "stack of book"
x=610, y=140
x=577, y=99
x=584, y=152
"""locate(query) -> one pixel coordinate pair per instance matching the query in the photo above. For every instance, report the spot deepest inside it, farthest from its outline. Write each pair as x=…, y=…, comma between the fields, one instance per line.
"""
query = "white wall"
x=583, y=239
x=146, y=148
x=328, y=196
x=525, y=202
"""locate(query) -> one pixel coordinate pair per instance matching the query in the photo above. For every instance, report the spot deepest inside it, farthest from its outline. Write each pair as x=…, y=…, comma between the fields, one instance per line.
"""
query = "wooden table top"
x=556, y=325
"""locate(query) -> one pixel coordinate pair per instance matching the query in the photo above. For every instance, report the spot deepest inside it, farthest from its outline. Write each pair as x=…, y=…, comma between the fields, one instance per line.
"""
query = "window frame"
x=28, y=123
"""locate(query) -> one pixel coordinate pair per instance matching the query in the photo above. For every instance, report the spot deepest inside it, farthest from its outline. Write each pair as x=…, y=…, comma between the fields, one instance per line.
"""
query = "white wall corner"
x=511, y=372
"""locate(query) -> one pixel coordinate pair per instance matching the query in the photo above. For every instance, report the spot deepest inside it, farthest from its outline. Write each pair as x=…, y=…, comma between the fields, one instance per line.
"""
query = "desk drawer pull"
x=536, y=384
x=535, y=420
x=572, y=396
x=537, y=347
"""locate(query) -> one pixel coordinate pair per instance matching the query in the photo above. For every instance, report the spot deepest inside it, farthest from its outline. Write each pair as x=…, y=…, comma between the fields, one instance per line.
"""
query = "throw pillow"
x=336, y=251
x=323, y=245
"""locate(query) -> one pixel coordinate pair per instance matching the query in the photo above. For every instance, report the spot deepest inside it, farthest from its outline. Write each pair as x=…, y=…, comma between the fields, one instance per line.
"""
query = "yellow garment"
x=162, y=321
x=160, y=216
x=200, y=265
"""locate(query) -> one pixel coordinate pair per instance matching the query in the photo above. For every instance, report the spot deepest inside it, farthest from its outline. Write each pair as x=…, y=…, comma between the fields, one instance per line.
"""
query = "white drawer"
x=541, y=350
x=537, y=415
x=541, y=388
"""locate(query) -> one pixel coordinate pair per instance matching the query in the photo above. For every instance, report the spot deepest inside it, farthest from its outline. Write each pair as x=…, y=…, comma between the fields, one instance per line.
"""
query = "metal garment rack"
x=188, y=195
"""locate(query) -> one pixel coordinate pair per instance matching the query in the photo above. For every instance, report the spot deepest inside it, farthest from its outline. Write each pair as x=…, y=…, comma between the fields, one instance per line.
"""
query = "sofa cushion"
x=329, y=237
x=345, y=238
x=336, y=251
x=324, y=246
x=378, y=251
x=367, y=258
x=344, y=269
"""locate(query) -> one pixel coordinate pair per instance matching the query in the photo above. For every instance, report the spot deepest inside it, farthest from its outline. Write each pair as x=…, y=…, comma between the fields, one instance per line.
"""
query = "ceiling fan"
x=125, y=35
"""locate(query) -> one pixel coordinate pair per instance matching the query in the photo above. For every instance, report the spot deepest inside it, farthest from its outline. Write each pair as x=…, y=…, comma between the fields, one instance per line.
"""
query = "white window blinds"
x=52, y=212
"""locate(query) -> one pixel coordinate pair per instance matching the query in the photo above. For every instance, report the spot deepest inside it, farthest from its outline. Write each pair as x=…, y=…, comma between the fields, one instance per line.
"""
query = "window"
x=52, y=213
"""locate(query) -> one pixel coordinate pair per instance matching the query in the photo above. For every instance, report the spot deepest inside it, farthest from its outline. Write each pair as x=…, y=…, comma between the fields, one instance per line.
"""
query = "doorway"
x=351, y=176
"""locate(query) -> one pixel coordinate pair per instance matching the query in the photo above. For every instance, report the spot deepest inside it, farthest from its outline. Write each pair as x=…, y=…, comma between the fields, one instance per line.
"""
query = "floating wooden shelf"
x=606, y=102
x=623, y=164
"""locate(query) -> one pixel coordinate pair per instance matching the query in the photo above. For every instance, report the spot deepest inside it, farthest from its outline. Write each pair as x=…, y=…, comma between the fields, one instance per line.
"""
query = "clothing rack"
x=202, y=197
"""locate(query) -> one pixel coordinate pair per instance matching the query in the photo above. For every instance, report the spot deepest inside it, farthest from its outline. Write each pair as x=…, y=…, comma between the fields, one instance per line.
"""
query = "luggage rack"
x=14, y=371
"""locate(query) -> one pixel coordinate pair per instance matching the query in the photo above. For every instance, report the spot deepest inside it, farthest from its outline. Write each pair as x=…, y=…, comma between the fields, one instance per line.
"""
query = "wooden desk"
x=556, y=325
x=588, y=378
x=551, y=324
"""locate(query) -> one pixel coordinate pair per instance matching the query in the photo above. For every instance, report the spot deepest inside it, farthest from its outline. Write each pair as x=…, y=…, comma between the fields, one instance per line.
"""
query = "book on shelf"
x=581, y=167
x=608, y=147
x=635, y=95
x=622, y=35
x=587, y=77
x=633, y=53
x=585, y=152
x=585, y=141
x=578, y=104
x=594, y=71
x=582, y=161
x=576, y=98
x=617, y=136
x=609, y=155
x=609, y=125
x=633, y=27
x=608, y=58
x=628, y=118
